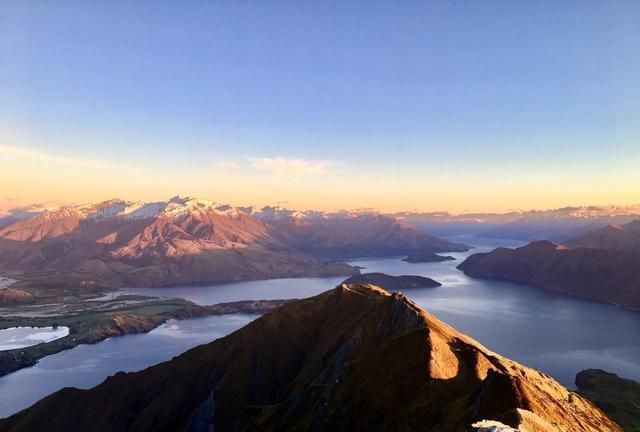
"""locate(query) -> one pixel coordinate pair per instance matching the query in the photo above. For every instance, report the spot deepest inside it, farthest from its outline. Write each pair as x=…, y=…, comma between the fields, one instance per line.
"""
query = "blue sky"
x=415, y=95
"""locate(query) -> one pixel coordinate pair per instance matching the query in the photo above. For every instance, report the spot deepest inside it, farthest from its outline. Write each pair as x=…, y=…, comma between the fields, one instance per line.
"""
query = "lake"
x=557, y=334
x=87, y=365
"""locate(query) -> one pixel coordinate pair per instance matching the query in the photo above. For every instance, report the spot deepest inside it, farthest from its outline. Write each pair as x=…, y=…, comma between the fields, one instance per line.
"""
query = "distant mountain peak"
x=612, y=236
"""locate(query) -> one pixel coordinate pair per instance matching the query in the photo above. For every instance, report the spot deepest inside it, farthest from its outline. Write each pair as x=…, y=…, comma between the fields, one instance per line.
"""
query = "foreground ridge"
x=353, y=358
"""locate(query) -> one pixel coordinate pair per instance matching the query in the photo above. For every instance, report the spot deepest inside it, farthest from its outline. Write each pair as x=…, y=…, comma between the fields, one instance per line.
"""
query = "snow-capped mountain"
x=63, y=220
x=121, y=209
x=276, y=213
x=186, y=240
x=553, y=224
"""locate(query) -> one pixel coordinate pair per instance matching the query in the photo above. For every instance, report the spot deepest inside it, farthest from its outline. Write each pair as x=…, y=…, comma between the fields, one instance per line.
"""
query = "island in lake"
x=426, y=257
x=393, y=283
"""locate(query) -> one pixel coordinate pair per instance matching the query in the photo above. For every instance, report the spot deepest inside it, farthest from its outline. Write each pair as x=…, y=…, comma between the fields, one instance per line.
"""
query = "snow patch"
x=492, y=426
x=6, y=282
x=140, y=210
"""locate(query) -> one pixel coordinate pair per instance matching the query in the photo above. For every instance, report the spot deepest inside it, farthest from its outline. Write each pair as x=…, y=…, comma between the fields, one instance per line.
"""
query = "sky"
x=396, y=105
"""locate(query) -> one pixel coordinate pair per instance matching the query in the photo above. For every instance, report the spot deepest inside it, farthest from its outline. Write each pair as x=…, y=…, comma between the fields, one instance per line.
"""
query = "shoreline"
x=93, y=327
x=558, y=292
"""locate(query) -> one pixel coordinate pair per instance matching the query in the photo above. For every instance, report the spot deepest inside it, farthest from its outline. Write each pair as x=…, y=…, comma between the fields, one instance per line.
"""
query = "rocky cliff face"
x=607, y=275
x=354, y=358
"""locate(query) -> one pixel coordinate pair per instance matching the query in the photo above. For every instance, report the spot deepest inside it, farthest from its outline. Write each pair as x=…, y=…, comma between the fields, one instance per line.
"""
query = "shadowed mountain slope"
x=618, y=397
x=619, y=237
x=363, y=235
x=607, y=275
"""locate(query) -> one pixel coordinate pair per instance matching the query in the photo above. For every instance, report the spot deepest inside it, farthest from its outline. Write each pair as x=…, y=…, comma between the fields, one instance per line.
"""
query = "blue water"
x=557, y=334
x=88, y=365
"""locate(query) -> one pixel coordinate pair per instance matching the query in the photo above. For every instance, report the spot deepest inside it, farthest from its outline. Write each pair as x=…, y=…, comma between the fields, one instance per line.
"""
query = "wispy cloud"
x=36, y=155
x=8, y=208
x=290, y=166
x=228, y=166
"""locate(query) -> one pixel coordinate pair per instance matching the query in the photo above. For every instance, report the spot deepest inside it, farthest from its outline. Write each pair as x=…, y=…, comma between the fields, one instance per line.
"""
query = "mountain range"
x=553, y=224
x=355, y=358
x=603, y=274
x=618, y=237
x=186, y=240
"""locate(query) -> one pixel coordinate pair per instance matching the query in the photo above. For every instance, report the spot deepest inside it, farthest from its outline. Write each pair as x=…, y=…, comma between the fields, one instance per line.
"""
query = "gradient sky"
x=441, y=105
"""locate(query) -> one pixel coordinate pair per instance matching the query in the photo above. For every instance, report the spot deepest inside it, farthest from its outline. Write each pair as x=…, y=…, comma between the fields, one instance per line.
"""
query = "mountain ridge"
x=115, y=243
x=613, y=236
x=600, y=274
x=356, y=358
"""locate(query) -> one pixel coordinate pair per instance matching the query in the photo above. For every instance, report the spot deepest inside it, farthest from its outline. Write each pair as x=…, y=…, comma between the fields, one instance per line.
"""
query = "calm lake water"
x=558, y=334
x=88, y=365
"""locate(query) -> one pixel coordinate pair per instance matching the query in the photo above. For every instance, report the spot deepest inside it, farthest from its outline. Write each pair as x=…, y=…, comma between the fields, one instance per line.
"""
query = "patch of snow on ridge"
x=116, y=208
x=106, y=210
x=176, y=207
x=6, y=282
x=179, y=207
x=61, y=213
x=140, y=210
x=492, y=426
x=271, y=213
x=275, y=213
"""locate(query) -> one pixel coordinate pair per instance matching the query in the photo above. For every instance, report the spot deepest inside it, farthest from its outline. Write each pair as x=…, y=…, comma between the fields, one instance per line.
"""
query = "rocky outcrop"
x=354, y=358
x=606, y=275
x=10, y=296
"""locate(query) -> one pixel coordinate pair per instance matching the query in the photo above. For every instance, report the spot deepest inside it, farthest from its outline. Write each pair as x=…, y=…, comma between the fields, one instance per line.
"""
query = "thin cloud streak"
x=228, y=166
x=39, y=156
x=290, y=166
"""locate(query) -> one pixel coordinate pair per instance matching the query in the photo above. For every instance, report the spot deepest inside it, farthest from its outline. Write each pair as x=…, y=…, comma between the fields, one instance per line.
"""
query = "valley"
x=570, y=334
x=243, y=216
x=182, y=268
